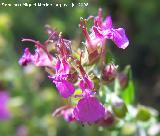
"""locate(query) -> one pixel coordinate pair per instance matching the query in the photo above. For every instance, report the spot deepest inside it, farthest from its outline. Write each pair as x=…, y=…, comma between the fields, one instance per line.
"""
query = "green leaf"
x=128, y=93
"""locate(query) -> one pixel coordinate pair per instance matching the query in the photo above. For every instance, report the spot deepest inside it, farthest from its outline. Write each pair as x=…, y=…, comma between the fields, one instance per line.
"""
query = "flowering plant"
x=88, y=76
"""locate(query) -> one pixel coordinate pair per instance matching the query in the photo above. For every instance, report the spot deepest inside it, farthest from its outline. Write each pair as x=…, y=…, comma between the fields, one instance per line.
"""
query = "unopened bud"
x=143, y=113
x=123, y=79
x=119, y=107
x=128, y=129
x=109, y=73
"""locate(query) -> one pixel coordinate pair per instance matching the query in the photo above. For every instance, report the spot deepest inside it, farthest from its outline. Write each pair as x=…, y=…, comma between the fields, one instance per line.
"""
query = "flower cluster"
x=68, y=68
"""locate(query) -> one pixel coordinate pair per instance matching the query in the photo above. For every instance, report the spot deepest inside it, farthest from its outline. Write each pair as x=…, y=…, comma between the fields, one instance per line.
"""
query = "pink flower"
x=68, y=115
x=105, y=30
x=92, y=41
x=65, y=88
x=89, y=110
x=109, y=72
x=86, y=83
x=40, y=58
x=53, y=35
x=62, y=67
x=63, y=46
x=66, y=112
x=85, y=111
x=27, y=58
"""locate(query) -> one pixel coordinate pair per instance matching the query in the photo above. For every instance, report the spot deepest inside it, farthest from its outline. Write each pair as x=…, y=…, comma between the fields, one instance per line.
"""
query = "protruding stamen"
x=82, y=25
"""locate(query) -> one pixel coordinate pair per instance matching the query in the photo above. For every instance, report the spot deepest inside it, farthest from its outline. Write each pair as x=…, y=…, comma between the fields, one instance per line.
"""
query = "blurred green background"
x=33, y=96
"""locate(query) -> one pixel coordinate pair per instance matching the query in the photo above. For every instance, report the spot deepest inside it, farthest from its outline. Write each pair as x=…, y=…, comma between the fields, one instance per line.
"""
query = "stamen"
x=82, y=25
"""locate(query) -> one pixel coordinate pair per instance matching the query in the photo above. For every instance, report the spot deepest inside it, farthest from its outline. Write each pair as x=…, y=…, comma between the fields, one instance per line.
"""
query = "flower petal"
x=65, y=88
x=89, y=110
x=86, y=83
x=97, y=32
x=68, y=115
x=41, y=58
x=62, y=67
x=107, y=24
x=26, y=58
x=119, y=38
x=66, y=112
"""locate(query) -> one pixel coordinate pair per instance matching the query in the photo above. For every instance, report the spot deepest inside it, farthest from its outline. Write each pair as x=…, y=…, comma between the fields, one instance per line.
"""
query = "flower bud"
x=143, y=114
x=128, y=129
x=109, y=73
x=119, y=107
x=123, y=79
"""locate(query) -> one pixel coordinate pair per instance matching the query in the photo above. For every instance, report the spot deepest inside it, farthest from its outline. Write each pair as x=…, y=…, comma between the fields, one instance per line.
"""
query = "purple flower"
x=109, y=72
x=4, y=112
x=105, y=30
x=65, y=88
x=66, y=112
x=53, y=35
x=68, y=115
x=26, y=58
x=40, y=58
x=89, y=110
x=86, y=83
x=62, y=67
x=85, y=111
x=92, y=41
x=63, y=46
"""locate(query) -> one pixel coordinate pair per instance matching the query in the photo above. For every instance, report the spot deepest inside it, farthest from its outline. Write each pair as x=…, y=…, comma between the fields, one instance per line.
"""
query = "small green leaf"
x=128, y=93
x=119, y=108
